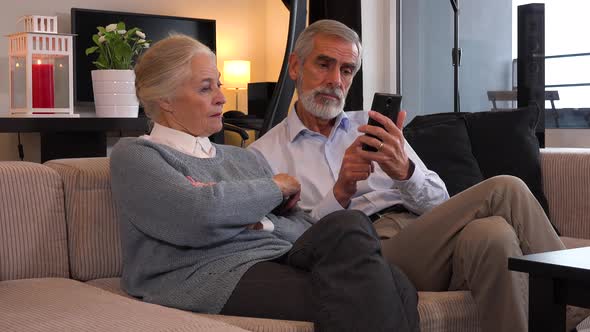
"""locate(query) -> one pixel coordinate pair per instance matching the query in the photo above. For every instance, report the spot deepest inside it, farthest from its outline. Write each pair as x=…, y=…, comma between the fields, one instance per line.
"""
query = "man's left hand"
x=391, y=155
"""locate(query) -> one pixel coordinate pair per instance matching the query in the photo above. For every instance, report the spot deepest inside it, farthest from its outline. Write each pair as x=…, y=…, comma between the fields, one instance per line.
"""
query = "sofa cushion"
x=505, y=143
x=67, y=305
x=573, y=242
x=439, y=312
x=447, y=312
x=566, y=179
x=444, y=146
x=32, y=222
x=263, y=324
x=112, y=285
x=93, y=231
x=249, y=323
x=500, y=142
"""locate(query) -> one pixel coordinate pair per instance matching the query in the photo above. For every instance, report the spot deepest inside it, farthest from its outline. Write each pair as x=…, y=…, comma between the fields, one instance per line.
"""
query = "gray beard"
x=327, y=110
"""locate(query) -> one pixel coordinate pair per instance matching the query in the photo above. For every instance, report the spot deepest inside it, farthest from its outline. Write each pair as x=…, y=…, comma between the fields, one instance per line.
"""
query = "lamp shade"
x=236, y=74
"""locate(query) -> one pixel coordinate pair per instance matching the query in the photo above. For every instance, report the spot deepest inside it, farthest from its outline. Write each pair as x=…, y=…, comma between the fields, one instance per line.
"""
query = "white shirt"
x=315, y=160
x=199, y=147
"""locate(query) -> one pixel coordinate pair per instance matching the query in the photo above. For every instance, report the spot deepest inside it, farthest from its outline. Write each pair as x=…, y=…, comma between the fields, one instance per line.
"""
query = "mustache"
x=336, y=92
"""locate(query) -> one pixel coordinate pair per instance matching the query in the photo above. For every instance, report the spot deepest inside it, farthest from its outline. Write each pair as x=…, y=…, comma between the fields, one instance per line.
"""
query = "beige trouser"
x=465, y=244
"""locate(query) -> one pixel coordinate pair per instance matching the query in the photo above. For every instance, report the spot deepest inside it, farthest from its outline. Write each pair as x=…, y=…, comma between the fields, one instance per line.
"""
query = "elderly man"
x=440, y=243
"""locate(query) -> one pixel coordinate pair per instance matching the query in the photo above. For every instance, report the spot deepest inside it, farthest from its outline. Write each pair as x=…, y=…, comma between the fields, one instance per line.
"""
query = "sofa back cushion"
x=505, y=143
x=566, y=180
x=33, y=240
x=93, y=232
x=498, y=143
x=444, y=146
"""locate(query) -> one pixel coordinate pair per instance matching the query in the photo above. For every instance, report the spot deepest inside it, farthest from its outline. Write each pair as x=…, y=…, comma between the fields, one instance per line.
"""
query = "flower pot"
x=114, y=93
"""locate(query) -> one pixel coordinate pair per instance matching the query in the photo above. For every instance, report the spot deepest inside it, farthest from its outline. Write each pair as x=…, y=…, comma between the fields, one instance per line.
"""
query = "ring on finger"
x=380, y=146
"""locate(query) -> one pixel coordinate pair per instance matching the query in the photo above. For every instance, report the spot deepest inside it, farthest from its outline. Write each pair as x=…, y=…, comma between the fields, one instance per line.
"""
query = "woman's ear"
x=165, y=104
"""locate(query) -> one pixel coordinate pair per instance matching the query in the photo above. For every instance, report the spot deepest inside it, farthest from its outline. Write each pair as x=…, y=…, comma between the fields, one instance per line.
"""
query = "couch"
x=60, y=254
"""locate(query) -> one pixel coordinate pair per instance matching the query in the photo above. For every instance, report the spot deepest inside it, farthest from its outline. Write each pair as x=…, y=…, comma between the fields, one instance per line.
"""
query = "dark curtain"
x=349, y=13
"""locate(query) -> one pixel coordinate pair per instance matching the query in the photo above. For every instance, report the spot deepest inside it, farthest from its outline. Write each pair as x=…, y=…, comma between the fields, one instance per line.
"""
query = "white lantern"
x=40, y=70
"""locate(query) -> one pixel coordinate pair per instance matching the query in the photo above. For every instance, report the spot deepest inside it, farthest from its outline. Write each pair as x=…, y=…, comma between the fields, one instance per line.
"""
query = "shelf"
x=84, y=124
x=73, y=137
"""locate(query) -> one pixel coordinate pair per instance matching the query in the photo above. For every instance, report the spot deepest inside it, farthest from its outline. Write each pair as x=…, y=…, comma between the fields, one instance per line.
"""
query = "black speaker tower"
x=259, y=96
x=531, y=61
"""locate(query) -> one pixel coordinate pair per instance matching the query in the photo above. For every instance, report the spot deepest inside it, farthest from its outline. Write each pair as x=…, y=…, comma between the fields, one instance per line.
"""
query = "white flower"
x=141, y=41
x=111, y=27
x=140, y=34
x=146, y=45
x=101, y=39
x=121, y=32
x=100, y=33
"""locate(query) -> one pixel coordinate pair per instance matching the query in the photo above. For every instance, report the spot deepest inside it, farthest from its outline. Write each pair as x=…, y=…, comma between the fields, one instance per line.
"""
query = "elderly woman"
x=207, y=228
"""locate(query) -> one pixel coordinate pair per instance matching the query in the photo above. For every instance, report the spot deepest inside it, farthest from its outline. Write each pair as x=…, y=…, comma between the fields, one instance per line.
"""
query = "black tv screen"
x=156, y=27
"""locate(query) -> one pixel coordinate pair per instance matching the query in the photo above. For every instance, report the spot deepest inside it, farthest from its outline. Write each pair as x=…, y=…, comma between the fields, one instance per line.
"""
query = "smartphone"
x=387, y=104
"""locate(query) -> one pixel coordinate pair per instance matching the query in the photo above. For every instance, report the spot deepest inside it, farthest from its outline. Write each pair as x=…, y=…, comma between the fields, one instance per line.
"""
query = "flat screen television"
x=156, y=27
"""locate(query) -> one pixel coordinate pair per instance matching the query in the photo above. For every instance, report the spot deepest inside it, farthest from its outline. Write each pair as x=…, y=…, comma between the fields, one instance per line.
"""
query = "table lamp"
x=236, y=75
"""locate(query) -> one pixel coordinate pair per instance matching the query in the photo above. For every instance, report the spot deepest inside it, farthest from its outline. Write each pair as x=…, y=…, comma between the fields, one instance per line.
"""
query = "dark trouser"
x=334, y=276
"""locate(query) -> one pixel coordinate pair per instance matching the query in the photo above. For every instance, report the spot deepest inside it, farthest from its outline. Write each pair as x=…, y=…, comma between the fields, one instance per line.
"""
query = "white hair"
x=304, y=43
x=163, y=68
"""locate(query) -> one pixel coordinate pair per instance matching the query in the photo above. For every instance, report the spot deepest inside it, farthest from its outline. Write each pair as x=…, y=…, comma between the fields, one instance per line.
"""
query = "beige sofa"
x=60, y=256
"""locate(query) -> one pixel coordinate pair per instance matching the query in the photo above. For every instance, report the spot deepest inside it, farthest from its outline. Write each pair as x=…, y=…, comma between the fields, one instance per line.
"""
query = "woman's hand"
x=288, y=185
x=255, y=227
x=291, y=189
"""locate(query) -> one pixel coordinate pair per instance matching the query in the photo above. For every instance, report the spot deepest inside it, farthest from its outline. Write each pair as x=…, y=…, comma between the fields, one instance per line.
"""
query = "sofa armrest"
x=566, y=182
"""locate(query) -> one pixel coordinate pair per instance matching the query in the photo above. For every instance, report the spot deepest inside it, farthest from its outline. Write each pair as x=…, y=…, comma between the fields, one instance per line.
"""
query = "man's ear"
x=293, y=66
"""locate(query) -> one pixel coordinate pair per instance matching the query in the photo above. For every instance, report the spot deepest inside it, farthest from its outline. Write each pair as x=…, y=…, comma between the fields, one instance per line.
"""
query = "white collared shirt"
x=315, y=161
x=199, y=147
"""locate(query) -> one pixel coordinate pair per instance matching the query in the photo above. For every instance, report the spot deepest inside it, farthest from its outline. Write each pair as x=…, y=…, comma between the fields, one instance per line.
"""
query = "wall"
x=427, y=40
x=379, y=48
x=253, y=29
x=241, y=34
x=486, y=41
x=277, y=18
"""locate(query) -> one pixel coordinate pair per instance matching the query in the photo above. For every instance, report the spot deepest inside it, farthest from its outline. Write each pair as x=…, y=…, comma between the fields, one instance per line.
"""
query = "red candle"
x=43, y=88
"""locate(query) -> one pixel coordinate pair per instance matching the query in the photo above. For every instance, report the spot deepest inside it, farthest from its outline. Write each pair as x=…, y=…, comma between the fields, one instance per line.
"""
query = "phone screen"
x=387, y=104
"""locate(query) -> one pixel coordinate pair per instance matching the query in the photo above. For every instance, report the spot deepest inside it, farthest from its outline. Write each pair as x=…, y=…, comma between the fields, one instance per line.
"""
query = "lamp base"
x=237, y=91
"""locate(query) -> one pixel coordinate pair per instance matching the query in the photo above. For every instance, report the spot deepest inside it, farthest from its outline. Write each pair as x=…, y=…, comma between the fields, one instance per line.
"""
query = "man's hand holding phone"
x=383, y=143
x=388, y=105
x=384, y=140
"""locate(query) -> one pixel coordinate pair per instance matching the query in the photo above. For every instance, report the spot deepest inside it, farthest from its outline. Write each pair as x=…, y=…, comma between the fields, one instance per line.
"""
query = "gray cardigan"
x=183, y=222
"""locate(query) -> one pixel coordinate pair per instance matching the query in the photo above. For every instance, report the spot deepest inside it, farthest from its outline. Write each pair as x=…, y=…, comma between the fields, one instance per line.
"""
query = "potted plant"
x=113, y=82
